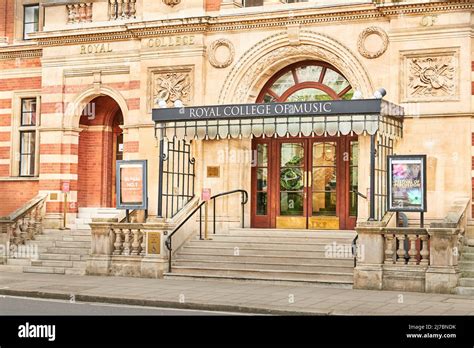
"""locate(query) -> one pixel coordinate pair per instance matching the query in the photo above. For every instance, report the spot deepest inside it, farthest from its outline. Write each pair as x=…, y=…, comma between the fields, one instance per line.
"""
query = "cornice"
x=20, y=52
x=231, y=22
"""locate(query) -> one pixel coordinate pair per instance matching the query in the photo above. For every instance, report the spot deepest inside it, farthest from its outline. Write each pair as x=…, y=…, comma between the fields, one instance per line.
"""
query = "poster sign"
x=65, y=187
x=132, y=184
x=206, y=194
x=406, y=187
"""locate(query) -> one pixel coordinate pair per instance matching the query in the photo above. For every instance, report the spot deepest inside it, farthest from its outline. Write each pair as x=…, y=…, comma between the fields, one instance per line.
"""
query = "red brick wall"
x=96, y=156
x=7, y=19
x=18, y=193
x=213, y=5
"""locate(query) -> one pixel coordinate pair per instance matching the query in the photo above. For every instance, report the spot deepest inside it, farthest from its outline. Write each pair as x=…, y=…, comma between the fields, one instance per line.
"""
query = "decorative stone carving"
x=363, y=37
x=170, y=84
x=212, y=49
x=172, y=3
x=428, y=20
x=252, y=70
x=430, y=75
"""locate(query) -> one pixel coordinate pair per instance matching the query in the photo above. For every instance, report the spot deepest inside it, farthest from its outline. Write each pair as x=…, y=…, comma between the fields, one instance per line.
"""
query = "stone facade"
x=206, y=52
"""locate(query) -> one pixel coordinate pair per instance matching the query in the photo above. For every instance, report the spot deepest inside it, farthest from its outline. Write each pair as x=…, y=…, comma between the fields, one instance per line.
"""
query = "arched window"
x=306, y=81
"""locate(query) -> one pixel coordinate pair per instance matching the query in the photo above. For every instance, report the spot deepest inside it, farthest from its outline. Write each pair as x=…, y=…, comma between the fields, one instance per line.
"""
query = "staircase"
x=268, y=255
x=85, y=216
x=466, y=264
x=59, y=252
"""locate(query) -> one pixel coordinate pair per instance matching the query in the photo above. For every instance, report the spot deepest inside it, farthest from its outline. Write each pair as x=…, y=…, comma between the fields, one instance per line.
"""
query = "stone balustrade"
x=129, y=239
x=21, y=226
x=122, y=9
x=406, y=247
x=412, y=259
x=79, y=13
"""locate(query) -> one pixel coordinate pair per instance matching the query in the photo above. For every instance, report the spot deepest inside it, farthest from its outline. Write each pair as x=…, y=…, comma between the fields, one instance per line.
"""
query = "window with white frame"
x=27, y=131
x=30, y=20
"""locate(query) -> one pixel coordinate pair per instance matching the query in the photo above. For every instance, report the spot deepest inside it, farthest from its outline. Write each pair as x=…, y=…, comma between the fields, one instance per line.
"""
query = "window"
x=306, y=81
x=27, y=130
x=30, y=20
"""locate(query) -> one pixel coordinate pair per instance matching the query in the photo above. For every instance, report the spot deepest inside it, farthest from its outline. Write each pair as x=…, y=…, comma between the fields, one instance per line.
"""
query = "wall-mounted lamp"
x=380, y=93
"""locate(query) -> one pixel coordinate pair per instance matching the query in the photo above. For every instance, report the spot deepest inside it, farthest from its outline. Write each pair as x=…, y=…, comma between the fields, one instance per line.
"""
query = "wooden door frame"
x=273, y=206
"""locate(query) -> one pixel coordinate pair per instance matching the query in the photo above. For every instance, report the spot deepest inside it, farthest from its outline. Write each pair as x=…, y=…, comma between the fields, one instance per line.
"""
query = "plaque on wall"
x=213, y=171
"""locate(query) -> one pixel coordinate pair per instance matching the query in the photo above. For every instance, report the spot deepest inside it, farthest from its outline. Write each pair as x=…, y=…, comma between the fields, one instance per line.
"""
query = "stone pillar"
x=369, y=272
x=443, y=273
x=102, y=247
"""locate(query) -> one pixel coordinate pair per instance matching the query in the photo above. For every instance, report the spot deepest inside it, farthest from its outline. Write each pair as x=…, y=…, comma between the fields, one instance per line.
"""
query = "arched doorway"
x=100, y=145
x=305, y=182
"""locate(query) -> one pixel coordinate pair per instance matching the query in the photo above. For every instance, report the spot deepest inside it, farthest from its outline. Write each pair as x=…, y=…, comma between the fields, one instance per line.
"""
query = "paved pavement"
x=12, y=305
x=232, y=296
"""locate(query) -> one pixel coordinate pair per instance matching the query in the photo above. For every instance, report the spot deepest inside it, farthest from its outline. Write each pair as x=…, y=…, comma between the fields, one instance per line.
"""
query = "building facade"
x=79, y=81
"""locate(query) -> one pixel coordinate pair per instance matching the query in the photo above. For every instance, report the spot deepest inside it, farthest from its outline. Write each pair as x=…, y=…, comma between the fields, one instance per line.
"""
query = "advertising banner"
x=406, y=187
x=131, y=185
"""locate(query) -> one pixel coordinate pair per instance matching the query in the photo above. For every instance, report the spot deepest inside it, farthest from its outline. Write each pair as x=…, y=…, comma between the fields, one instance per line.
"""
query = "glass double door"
x=305, y=183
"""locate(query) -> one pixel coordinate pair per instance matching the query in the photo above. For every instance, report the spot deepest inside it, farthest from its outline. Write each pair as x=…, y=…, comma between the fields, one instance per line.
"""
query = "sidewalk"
x=233, y=296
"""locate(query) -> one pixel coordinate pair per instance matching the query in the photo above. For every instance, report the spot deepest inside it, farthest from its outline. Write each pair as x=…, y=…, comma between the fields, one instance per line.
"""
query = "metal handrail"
x=354, y=249
x=359, y=194
x=243, y=201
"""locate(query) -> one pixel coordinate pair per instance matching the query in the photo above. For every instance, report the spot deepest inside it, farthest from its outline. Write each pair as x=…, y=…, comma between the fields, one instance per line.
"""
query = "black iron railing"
x=243, y=201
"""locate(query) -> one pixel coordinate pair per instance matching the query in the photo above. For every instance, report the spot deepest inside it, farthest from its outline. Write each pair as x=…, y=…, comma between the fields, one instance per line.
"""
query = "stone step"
x=468, y=249
x=467, y=274
x=63, y=257
x=52, y=263
x=76, y=232
x=40, y=243
x=467, y=256
x=282, y=239
x=269, y=244
x=259, y=278
x=271, y=232
x=238, y=264
x=466, y=264
x=251, y=252
x=317, y=261
x=327, y=277
x=76, y=251
x=466, y=291
x=75, y=244
x=11, y=269
x=468, y=282
x=49, y=270
x=82, y=227
x=19, y=262
x=75, y=271
x=77, y=239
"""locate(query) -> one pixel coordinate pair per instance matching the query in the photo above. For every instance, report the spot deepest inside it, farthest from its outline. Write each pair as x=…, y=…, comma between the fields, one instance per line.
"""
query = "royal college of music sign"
x=310, y=108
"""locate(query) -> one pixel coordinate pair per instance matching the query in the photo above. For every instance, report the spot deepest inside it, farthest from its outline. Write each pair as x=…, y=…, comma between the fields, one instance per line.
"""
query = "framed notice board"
x=131, y=181
x=406, y=183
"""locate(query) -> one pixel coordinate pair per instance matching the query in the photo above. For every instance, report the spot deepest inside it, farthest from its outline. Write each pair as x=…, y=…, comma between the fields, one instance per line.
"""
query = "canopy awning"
x=338, y=117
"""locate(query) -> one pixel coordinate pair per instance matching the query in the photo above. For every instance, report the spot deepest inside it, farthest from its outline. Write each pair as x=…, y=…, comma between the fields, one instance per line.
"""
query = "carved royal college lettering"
x=96, y=48
x=170, y=41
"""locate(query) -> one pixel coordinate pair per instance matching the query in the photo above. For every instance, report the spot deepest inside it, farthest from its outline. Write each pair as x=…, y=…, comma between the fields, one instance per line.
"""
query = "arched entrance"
x=305, y=182
x=100, y=145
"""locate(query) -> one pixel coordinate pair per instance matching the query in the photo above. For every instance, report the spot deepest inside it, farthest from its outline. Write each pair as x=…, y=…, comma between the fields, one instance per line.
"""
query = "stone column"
x=443, y=273
x=368, y=272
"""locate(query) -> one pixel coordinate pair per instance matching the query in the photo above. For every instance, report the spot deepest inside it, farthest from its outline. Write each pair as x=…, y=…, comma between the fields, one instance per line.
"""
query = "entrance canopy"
x=332, y=117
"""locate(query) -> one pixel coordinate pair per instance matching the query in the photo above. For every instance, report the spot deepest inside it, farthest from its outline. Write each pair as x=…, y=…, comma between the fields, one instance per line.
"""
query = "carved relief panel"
x=430, y=75
x=170, y=84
